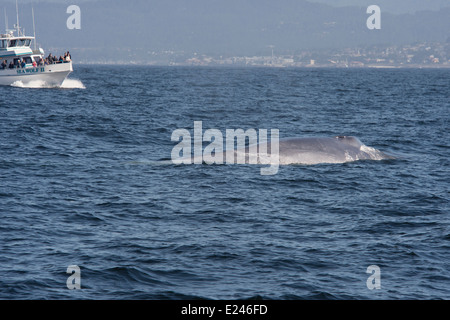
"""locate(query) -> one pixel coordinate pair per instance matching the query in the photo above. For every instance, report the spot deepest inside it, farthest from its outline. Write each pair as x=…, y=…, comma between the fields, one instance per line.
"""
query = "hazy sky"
x=394, y=6
x=230, y=27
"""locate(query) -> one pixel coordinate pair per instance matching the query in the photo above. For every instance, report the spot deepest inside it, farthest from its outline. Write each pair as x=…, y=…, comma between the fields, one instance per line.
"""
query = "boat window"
x=27, y=60
x=12, y=43
x=21, y=42
x=28, y=42
x=3, y=44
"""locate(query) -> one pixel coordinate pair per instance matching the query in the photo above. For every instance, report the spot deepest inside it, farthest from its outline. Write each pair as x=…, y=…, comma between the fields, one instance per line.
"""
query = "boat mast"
x=17, y=13
x=6, y=21
x=34, y=27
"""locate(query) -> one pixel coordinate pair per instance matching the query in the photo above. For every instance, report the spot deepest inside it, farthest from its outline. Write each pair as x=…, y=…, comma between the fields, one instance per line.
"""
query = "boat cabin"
x=16, y=48
x=14, y=42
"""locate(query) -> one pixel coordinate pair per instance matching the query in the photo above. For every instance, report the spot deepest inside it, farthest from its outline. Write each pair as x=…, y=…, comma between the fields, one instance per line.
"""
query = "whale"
x=286, y=151
x=299, y=150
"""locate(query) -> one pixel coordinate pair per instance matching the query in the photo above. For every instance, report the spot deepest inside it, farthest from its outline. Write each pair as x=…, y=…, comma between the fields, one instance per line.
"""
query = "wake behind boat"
x=18, y=62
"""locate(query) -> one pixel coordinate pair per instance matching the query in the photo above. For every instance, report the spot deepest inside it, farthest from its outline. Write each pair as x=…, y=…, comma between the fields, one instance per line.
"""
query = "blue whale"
x=306, y=150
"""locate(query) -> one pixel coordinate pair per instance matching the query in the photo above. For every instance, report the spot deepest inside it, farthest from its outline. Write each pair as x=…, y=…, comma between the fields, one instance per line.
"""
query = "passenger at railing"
x=67, y=57
x=61, y=59
x=34, y=64
x=4, y=64
x=11, y=65
x=46, y=63
x=23, y=64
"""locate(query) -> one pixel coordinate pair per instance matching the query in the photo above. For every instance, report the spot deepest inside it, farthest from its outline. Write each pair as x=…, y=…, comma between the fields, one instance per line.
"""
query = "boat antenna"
x=34, y=27
x=6, y=21
x=17, y=13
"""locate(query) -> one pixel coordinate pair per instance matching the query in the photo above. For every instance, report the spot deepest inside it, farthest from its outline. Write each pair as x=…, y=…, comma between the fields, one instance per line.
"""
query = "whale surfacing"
x=310, y=150
x=339, y=149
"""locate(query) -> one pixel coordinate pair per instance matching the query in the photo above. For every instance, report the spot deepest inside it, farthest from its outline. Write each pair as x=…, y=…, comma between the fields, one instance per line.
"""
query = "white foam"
x=36, y=84
x=374, y=153
x=31, y=84
x=72, y=84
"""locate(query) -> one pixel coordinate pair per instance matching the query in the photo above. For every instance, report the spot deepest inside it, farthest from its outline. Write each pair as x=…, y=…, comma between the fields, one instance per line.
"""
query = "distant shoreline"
x=261, y=66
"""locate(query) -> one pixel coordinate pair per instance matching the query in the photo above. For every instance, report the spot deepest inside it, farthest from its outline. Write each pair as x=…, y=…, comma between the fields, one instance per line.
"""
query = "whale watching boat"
x=18, y=62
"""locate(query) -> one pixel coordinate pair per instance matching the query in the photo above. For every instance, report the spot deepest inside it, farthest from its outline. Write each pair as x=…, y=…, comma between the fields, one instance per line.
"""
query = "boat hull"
x=52, y=75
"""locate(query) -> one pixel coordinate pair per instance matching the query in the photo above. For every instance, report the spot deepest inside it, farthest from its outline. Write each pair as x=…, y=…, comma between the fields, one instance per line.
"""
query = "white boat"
x=28, y=65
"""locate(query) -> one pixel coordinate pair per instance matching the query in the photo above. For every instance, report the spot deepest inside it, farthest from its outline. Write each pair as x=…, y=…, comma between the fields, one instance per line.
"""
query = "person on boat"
x=61, y=59
x=11, y=65
x=4, y=64
x=23, y=64
x=34, y=64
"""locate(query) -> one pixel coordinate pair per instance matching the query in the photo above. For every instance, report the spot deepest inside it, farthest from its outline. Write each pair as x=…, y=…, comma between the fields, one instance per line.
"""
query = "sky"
x=227, y=27
x=392, y=6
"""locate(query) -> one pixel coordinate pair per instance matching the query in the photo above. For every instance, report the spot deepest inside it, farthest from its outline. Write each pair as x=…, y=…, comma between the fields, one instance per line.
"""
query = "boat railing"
x=30, y=66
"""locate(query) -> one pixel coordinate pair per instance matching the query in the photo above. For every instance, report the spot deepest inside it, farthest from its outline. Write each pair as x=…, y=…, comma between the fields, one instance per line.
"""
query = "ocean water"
x=80, y=184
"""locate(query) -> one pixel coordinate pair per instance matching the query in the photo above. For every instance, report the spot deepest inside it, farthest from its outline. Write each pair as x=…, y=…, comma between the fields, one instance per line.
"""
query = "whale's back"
x=307, y=150
x=314, y=150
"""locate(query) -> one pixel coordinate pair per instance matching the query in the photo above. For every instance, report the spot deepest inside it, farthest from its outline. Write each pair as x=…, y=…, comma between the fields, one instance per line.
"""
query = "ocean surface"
x=81, y=184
